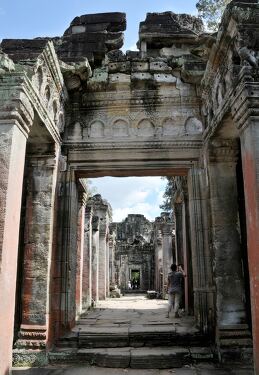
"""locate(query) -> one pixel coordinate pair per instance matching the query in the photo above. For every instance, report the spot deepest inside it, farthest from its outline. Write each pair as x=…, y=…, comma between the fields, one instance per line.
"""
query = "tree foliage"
x=211, y=12
x=168, y=195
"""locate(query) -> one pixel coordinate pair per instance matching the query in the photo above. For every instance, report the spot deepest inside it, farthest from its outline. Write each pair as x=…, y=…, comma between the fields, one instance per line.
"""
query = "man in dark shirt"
x=175, y=289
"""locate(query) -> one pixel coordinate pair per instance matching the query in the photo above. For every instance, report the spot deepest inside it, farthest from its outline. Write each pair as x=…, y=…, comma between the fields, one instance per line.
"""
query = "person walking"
x=175, y=289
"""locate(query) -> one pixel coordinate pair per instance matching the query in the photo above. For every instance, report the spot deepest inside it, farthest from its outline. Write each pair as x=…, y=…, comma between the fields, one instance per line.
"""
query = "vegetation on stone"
x=211, y=11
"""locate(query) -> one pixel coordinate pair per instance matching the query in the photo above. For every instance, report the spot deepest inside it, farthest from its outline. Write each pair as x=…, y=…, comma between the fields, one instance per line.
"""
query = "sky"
x=33, y=18
x=131, y=195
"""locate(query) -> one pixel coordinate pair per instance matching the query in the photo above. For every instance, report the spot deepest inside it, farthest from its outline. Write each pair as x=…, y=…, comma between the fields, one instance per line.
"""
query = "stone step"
x=139, y=358
x=135, y=336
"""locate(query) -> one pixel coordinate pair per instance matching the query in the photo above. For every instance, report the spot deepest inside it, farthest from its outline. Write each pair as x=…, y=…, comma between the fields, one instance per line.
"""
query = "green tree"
x=211, y=12
x=168, y=195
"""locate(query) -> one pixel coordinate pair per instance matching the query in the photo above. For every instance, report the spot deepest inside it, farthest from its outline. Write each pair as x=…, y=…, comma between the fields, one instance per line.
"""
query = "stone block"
x=119, y=78
x=159, y=66
x=165, y=78
x=159, y=357
x=142, y=76
x=105, y=357
x=121, y=67
x=140, y=66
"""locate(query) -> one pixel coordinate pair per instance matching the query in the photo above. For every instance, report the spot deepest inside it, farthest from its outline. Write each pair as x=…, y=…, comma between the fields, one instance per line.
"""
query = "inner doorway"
x=135, y=279
x=142, y=238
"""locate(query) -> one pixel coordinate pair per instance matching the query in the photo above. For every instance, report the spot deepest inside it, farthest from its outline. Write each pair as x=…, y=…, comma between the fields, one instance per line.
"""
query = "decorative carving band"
x=223, y=150
x=31, y=337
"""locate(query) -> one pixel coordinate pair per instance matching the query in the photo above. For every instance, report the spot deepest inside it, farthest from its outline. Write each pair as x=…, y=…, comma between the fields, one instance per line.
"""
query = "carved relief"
x=193, y=126
x=97, y=129
x=120, y=128
x=61, y=122
x=38, y=78
x=146, y=128
x=171, y=128
x=47, y=94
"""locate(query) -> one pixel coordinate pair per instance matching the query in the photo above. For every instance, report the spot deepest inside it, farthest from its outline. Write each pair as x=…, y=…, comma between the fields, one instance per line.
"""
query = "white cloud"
x=132, y=195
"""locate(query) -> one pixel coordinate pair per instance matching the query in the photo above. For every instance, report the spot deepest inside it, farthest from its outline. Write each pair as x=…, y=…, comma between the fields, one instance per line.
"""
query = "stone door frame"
x=203, y=288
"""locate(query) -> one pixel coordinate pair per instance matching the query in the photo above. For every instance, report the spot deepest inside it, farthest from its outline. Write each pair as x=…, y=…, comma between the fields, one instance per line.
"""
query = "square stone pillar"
x=226, y=241
x=166, y=229
x=95, y=259
x=250, y=160
x=12, y=157
x=102, y=211
x=38, y=241
x=80, y=251
x=112, y=243
x=178, y=214
x=68, y=221
x=201, y=257
x=87, y=260
x=103, y=252
x=158, y=258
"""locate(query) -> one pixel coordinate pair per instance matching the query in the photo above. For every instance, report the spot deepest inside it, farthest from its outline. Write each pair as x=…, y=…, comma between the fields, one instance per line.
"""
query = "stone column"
x=226, y=242
x=112, y=242
x=107, y=263
x=178, y=212
x=158, y=239
x=38, y=241
x=80, y=251
x=201, y=258
x=95, y=258
x=12, y=156
x=102, y=211
x=16, y=118
x=166, y=229
x=87, y=260
x=102, y=259
x=250, y=161
x=67, y=250
x=187, y=256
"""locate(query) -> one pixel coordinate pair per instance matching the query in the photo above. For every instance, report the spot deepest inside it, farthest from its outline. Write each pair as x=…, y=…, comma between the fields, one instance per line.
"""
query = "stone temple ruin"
x=135, y=248
x=72, y=107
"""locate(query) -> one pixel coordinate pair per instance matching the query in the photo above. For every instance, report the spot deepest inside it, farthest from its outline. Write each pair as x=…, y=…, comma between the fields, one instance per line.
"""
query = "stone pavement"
x=133, y=312
x=140, y=320
x=203, y=369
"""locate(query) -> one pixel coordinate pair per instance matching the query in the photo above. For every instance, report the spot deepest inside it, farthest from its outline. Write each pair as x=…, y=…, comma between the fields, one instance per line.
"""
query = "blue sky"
x=131, y=195
x=32, y=18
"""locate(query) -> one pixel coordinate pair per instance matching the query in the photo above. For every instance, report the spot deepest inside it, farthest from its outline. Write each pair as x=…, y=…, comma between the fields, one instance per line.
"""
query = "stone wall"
x=134, y=251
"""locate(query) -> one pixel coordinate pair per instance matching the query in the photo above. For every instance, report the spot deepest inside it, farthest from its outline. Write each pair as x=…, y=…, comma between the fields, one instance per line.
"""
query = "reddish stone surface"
x=12, y=156
x=250, y=159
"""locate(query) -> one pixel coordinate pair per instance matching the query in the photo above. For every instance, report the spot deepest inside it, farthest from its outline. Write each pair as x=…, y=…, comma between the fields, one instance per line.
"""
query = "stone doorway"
x=135, y=277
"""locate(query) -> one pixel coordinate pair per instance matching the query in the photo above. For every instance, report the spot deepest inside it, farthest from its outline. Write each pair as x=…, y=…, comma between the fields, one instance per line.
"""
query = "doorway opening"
x=135, y=279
